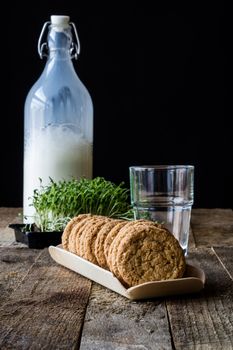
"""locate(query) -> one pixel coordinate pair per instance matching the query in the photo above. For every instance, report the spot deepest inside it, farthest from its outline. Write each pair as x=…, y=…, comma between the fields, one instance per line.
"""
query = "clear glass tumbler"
x=164, y=193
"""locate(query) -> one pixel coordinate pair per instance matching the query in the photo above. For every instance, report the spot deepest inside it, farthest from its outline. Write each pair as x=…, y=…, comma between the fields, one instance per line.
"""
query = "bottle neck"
x=59, y=43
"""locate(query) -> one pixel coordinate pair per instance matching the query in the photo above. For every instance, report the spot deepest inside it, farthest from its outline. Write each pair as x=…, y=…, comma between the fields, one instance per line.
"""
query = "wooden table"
x=46, y=306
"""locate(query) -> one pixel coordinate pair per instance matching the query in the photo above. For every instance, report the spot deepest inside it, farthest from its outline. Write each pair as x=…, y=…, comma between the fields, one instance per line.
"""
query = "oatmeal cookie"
x=100, y=240
x=68, y=229
x=149, y=253
x=109, y=240
x=117, y=241
x=88, y=238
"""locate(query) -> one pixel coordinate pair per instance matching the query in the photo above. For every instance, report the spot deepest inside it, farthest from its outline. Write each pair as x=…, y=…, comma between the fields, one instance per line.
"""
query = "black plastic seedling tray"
x=35, y=239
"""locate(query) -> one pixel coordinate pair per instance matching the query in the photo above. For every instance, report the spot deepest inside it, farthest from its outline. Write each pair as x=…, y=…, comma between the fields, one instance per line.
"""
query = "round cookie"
x=88, y=238
x=109, y=240
x=75, y=234
x=100, y=239
x=68, y=228
x=149, y=253
x=80, y=230
x=117, y=240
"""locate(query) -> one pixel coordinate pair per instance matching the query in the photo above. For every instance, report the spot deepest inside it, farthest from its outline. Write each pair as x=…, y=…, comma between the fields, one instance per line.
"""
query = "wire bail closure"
x=43, y=47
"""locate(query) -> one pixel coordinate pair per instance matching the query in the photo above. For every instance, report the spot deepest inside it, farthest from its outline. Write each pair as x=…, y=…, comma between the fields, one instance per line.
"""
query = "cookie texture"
x=108, y=244
x=114, y=247
x=149, y=253
x=88, y=238
x=76, y=233
x=100, y=240
x=68, y=229
x=135, y=251
x=89, y=223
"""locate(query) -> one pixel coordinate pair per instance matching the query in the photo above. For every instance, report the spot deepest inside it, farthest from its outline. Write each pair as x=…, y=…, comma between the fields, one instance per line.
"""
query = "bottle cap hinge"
x=43, y=47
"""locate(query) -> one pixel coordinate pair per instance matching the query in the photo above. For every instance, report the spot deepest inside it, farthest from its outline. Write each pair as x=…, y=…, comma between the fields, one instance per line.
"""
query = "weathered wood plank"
x=212, y=227
x=46, y=310
x=204, y=320
x=14, y=265
x=8, y=216
x=225, y=255
x=113, y=322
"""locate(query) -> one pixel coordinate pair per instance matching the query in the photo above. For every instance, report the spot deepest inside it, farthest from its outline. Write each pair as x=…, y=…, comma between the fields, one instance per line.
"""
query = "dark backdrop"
x=158, y=84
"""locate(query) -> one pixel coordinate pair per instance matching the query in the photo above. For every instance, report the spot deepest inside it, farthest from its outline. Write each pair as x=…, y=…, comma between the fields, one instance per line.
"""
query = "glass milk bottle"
x=58, y=121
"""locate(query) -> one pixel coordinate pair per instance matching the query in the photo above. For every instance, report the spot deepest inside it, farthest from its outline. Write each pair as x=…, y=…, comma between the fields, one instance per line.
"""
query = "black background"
x=158, y=85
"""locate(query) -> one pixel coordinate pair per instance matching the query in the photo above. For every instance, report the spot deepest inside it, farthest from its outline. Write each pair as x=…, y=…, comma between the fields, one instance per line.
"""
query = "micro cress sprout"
x=58, y=202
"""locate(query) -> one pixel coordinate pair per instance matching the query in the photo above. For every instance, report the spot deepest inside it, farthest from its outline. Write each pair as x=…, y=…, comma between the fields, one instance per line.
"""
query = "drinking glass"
x=164, y=193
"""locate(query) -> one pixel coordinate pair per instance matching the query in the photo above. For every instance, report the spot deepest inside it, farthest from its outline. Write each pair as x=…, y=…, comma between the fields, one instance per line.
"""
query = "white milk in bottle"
x=58, y=128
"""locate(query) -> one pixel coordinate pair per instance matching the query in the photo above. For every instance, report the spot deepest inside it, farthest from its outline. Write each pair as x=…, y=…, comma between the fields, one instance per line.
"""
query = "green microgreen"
x=58, y=202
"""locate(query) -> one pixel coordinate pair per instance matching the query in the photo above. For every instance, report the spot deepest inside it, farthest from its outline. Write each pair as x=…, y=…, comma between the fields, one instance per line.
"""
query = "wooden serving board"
x=192, y=282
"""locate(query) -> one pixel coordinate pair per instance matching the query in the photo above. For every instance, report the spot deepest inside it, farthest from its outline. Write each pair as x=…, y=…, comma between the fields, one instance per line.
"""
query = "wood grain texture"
x=14, y=265
x=114, y=322
x=212, y=227
x=46, y=311
x=204, y=320
x=225, y=255
x=43, y=304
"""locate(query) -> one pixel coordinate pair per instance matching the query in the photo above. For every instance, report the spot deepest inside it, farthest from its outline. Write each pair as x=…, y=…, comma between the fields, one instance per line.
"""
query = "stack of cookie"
x=134, y=251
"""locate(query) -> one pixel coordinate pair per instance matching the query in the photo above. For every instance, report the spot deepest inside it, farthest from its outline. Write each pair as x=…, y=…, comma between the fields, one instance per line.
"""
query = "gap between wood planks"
x=51, y=300
x=221, y=262
x=169, y=327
